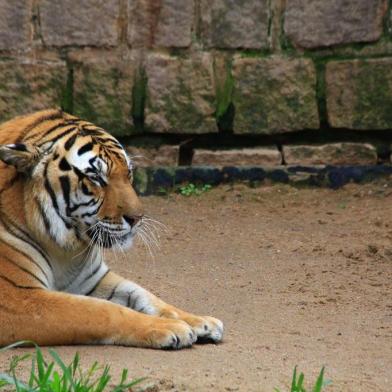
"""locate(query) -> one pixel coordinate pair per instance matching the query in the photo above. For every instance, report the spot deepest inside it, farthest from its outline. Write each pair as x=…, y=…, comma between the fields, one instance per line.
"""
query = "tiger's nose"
x=133, y=220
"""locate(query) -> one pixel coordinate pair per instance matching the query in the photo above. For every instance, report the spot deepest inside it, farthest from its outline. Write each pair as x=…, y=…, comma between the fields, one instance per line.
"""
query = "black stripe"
x=88, y=204
x=53, y=129
x=129, y=303
x=117, y=154
x=49, y=189
x=77, y=233
x=92, y=273
x=79, y=173
x=44, y=217
x=19, y=286
x=91, y=130
x=23, y=269
x=92, y=160
x=54, y=140
x=70, y=142
x=93, y=212
x=64, y=165
x=86, y=148
x=85, y=190
x=98, y=283
x=129, y=300
x=25, y=254
x=66, y=188
x=52, y=195
x=113, y=292
x=53, y=116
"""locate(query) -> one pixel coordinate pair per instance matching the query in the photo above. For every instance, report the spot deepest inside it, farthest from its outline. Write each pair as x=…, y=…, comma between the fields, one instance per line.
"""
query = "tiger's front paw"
x=171, y=334
x=207, y=328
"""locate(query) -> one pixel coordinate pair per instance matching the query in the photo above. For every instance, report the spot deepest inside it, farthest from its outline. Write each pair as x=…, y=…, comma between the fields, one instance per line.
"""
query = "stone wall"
x=306, y=81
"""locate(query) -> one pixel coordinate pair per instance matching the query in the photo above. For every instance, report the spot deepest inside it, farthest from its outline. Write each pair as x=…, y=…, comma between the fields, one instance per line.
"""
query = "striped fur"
x=65, y=195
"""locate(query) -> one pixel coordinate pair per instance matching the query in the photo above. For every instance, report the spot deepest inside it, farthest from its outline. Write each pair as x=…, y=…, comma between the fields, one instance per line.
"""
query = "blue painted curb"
x=155, y=180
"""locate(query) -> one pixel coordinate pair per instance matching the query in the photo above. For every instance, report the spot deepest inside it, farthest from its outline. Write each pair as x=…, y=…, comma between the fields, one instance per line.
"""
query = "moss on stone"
x=139, y=99
x=321, y=93
x=27, y=87
x=274, y=95
x=224, y=106
x=373, y=97
x=67, y=93
x=103, y=95
x=180, y=94
x=140, y=180
x=360, y=94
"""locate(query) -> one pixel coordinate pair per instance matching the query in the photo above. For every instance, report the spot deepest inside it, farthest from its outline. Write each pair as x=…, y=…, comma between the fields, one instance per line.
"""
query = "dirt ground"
x=299, y=277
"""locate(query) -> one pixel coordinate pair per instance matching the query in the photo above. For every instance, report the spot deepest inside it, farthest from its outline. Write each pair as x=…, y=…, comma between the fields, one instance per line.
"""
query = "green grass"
x=54, y=375
x=297, y=383
x=193, y=190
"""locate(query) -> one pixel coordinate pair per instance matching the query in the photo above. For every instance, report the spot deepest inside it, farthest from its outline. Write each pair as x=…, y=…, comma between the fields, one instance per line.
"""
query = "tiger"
x=65, y=187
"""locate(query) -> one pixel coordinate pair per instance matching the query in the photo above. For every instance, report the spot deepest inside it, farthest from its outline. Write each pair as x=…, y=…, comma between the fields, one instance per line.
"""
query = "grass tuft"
x=297, y=383
x=56, y=376
x=193, y=190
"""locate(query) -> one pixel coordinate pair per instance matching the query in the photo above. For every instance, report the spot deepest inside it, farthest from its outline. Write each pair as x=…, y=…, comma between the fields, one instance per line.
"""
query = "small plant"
x=56, y=376
x=297, y=384
x=193, y=190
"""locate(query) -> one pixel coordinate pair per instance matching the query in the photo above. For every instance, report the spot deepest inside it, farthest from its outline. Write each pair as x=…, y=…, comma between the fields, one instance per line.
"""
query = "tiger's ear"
x=22, y=156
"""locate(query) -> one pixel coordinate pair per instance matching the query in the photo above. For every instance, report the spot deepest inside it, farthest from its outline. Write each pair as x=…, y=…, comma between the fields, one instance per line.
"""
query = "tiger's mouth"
x=107, y=236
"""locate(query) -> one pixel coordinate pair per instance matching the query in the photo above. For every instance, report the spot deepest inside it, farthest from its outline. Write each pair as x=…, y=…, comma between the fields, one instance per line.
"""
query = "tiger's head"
x=77, y=188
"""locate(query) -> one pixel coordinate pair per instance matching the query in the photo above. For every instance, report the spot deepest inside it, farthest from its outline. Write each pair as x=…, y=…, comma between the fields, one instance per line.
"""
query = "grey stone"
x=331, y=154
x=67, y=22
x=317, y=23
x=165, y=155
x=235, y=23
x=15, y=17
x=103, y=94
x=180, y=94
x=160, y=23
x=262, y=156
x=274, y=95
x=359, y=94
x=27, y=86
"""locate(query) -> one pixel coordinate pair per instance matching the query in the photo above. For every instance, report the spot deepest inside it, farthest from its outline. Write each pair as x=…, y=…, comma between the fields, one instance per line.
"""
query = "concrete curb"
x=155, y=180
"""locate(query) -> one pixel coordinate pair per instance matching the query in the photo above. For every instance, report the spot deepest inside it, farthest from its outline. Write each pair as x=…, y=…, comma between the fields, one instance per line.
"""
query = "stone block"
x=262, y=156
x=67, y=22
x=15, y=17
x=166, y=23
x=103, y=94
x=331, y=154
x=274, y=95
x=359, y=94
x=165, y=155
x=235, y=23
x=318, y=23
x=180, y=94
x=28, y=86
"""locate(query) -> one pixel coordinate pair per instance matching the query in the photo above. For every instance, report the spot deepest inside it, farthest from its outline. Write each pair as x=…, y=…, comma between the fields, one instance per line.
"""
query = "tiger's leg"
x=116, y=289
x=56, y=318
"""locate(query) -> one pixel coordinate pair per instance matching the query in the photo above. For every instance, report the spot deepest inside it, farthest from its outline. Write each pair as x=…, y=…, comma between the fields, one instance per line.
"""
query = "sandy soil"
x=299, y=277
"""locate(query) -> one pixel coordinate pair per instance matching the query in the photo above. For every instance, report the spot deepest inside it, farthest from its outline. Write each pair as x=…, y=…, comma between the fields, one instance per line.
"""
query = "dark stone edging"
x=153, y=180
